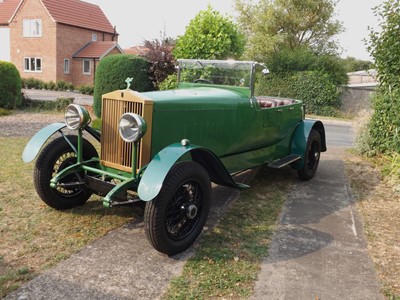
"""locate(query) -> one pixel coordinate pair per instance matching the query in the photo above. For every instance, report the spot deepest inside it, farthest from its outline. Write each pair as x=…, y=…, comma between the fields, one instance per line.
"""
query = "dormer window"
x=32, y=28
x=94, y=37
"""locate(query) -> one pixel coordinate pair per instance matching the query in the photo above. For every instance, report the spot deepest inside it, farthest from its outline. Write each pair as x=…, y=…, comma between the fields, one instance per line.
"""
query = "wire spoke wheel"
x=312, y=156
x=184, y=211
x=55, y=157
x=175, y=218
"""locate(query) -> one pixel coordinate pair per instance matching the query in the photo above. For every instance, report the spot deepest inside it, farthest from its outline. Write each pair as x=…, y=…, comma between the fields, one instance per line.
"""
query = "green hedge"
x=112, y=72
x=384, y=127
x=317, y=90
x=10, y=86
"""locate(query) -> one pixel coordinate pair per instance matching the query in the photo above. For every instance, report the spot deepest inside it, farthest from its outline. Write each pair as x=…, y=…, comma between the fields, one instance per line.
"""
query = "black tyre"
x=56, y=156
x=312, y=156
x=175, y=218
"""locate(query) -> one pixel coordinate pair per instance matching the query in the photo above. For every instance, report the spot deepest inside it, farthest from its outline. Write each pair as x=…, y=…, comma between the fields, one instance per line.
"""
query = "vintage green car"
x=166, y=147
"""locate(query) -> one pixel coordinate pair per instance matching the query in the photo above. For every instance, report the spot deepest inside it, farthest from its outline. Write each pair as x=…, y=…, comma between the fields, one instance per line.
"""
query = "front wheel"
x=312, y=156
x=175, y=218
x=56, y=156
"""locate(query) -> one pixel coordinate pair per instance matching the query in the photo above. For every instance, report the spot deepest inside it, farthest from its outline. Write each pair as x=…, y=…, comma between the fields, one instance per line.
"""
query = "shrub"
x=159, y=55
x=315, y=89
x=47, y=105
x=5, y=112
x=112, y=72
x=10, y=86
x=210, y=35
x=32, y=83
x=96, y=124
x=384, y=127
x=86, y=89
x=170, y=83
x=51, y=85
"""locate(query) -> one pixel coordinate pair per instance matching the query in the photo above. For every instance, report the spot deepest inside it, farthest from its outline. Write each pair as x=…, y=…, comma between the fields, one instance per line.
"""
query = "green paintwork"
x=155, y=173
x=299, y=142
x=39, y=139
x=228, y=123
x=157, y=170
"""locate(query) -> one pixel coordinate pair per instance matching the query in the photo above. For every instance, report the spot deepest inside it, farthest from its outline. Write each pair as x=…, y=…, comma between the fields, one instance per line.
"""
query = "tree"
x=384, y=47
x=210, y=36
x=160, y=56
x=273, y=25
x=352, y=64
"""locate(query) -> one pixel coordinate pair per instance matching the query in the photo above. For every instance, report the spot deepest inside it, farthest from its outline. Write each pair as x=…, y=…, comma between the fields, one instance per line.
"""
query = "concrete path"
x=120, y=266
x=319, y=250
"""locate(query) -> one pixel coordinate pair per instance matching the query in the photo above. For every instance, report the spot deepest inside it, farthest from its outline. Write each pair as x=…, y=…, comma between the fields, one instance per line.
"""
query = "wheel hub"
x=191, y=211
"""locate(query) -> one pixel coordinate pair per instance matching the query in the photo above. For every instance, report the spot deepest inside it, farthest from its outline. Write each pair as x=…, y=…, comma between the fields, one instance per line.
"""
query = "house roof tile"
x=137, y=50
x=7, y=9
x=78, y=13
x=97, y=50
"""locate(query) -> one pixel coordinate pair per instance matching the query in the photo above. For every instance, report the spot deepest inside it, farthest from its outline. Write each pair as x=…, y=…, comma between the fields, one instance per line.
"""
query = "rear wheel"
x=312, y=156
x=55, y=157
x=175, y=218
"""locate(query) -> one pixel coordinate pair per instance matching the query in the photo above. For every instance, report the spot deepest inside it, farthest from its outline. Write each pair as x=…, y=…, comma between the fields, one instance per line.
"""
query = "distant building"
x=363, y=78
x=137, y=50
x=54, y=40
x=356, y=97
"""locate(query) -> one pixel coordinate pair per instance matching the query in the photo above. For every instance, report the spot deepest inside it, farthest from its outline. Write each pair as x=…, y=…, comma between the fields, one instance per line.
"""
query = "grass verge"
x=228, y=257
x=378, y=200
x=35, y=237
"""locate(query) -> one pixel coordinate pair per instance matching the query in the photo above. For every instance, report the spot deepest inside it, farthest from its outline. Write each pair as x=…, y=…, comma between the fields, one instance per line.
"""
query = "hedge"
x=10, y=86
x=317, y=90
x=112, y=72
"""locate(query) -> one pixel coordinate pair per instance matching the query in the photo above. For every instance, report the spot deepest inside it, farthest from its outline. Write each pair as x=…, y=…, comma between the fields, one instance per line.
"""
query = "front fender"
x=157, y=170
x=300, y=137
x=39, y=139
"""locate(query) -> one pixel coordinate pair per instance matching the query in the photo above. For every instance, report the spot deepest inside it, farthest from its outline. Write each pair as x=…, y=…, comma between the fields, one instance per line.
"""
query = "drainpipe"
x=94, y=70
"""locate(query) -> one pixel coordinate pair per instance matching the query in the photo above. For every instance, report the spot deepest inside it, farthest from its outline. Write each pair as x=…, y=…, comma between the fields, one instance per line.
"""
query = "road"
x=339, y=134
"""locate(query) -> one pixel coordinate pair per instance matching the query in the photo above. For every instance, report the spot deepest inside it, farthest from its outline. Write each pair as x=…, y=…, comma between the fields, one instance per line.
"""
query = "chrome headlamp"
x=132, y=127
x=76, y=117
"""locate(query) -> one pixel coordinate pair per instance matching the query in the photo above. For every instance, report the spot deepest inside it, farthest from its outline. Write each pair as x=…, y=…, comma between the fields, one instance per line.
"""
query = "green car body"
x=210, y=127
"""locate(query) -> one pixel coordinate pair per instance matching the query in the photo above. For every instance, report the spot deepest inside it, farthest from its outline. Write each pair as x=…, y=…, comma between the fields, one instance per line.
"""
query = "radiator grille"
x=115, y=152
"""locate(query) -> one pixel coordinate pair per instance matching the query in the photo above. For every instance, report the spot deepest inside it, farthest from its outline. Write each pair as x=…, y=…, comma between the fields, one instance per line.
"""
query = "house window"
x=94, y=37
x=32, y=27
x=86, y=66
x=32, y=64
x=66, y=66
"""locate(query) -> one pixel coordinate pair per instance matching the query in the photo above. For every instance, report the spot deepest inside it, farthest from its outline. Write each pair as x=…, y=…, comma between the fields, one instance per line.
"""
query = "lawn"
x=33, y=236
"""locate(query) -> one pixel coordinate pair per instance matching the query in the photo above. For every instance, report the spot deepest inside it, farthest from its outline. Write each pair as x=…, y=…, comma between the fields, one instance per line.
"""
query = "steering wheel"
x=199, y=80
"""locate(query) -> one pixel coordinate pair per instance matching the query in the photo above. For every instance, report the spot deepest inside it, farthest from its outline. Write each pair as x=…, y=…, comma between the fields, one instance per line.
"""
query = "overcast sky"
x=150, y=17
x=147, y=19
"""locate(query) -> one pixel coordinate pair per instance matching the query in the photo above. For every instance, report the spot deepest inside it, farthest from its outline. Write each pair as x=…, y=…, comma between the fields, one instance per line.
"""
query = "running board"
x=277, y=164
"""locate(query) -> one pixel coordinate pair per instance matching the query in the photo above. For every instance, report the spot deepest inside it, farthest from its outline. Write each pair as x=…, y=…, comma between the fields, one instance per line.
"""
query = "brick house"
x=54, y=40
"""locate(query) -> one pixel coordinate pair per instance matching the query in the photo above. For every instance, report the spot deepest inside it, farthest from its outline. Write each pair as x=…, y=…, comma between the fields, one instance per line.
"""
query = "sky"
x=149, y=19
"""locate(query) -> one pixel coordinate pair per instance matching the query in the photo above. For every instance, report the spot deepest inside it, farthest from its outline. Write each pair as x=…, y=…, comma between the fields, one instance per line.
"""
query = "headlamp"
x=132, y=127
x=76, y=117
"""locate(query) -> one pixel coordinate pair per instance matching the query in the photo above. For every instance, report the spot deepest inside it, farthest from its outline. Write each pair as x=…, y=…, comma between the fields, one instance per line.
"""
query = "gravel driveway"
x=24, y=124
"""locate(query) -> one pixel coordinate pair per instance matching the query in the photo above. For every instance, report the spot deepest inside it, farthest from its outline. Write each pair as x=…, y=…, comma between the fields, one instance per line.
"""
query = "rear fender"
x=299, y=141
x=157, y=170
